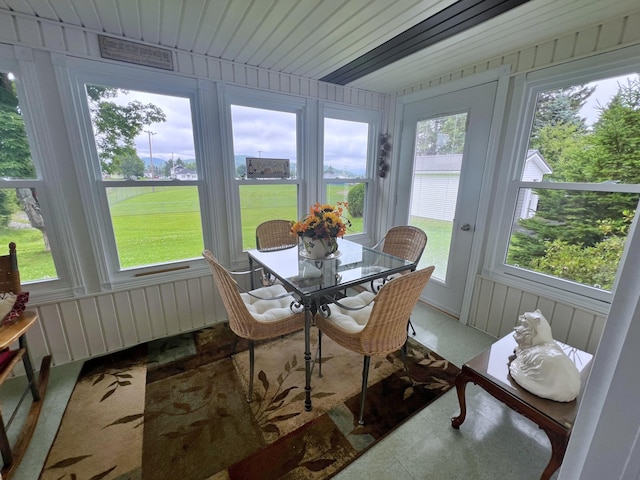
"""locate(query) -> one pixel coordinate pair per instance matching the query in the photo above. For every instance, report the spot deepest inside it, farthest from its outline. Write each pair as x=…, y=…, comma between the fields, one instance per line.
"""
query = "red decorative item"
x=21, y=303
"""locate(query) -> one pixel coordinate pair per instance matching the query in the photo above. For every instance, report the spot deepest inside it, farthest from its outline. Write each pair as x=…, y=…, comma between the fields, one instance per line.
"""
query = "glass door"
x=442, y=157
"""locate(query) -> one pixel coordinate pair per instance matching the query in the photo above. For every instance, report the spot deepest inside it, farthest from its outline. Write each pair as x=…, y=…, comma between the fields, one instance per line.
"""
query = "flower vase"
x=319, y=248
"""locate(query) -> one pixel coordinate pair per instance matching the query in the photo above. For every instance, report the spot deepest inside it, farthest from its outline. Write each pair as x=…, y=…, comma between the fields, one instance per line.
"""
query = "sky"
x=256, y=132
x=605, y=90
x=270, y=134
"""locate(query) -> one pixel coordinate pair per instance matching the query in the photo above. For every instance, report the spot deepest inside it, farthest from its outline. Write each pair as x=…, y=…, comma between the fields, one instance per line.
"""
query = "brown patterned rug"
x=176, y=408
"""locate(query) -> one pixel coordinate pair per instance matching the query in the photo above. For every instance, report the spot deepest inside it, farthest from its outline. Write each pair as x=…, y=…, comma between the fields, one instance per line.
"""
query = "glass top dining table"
x=314, y=282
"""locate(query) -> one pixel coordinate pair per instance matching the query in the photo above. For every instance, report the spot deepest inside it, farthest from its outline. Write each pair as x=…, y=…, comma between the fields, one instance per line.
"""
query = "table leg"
x=307, y=355
x=558, y=448
x=461, y=383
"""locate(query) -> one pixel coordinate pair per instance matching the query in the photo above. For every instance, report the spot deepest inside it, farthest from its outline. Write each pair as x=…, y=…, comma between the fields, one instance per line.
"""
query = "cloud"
x=256, y=132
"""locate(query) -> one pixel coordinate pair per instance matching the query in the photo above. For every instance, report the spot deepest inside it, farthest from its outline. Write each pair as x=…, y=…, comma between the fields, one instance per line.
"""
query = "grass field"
x=159, y=224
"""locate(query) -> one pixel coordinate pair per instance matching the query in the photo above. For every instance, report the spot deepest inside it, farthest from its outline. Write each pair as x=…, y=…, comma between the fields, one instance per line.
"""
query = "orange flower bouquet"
x=320, y=227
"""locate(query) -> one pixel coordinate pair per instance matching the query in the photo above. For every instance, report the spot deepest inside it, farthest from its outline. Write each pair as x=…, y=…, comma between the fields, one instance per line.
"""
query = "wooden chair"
x=403, y=241
x=9, y=335
x=260, y=314
x=275, y=235
x=373, y=324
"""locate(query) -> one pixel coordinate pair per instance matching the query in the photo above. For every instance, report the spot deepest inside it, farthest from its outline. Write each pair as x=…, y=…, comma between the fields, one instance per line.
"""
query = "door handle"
x=465, y=227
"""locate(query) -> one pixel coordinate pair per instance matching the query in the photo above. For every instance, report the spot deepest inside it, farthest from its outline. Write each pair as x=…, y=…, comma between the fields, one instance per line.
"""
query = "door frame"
x=502, y=76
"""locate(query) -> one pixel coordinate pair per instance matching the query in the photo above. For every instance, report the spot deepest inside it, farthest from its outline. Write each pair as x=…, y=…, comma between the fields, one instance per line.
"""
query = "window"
x=144, y=186
x=438, y=161
x=23, y=219
x=349, y=144
x=578, y=184
x=144, y=138
x=264, y=134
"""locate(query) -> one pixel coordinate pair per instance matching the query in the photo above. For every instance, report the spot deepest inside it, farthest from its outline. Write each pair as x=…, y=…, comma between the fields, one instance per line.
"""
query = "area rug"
x=177, y=408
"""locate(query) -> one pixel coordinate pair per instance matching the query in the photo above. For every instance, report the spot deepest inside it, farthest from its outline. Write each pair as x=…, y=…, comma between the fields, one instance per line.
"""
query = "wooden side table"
x=490, y=370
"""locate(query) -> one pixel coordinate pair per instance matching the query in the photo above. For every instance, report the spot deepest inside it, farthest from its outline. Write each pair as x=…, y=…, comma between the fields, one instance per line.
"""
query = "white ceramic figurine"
x=541, y=366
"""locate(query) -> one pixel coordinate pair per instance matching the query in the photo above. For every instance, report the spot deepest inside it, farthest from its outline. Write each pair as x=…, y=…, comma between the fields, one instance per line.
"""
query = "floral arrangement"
x=322, y=222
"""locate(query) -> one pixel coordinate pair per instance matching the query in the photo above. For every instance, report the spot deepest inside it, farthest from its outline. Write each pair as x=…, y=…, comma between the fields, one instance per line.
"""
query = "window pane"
x=262, y=202
x=155, y=225
x=436, y=176
x=22, y=223
x=573, y=235
x=356, y=192
x=15, y=155
x=345, y=148
x=141, y=135
x=588, y=134
x=262, y=133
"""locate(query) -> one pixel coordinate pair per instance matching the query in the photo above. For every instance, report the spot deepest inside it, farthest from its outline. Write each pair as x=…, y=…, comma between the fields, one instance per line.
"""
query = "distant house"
x=437, y=178
x=183, y=173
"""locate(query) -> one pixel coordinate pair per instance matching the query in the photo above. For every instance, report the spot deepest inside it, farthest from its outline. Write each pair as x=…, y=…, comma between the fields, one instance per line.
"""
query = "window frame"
x=373, y=119
x=520, y=121
x=74, y=74
x=246, y=97
x=48, y=181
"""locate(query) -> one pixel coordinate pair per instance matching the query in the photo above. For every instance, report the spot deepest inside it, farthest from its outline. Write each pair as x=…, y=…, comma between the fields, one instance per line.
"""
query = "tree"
x=580, y=235
x=15, y=159
x=117, y=126
x=131, y=165
x=355, y=200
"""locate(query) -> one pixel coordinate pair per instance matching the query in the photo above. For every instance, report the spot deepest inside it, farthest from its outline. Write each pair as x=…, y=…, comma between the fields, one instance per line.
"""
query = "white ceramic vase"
x=318, y=248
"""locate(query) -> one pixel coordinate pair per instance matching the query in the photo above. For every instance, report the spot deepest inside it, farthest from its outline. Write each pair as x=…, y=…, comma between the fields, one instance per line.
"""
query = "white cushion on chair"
x=271, y=308
x=353, y=320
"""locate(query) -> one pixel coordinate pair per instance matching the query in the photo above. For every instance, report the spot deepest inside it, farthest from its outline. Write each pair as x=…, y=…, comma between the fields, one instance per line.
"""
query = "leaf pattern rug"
x=176, y=408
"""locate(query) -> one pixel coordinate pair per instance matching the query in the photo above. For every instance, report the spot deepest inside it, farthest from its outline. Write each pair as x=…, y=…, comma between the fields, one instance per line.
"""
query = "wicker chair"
x=374, y=324
x=256, y=315
x=403, y=241
x=275, y=235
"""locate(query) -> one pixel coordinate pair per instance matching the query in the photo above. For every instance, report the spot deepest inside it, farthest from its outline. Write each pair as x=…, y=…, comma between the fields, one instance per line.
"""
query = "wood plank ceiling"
x=317, y=38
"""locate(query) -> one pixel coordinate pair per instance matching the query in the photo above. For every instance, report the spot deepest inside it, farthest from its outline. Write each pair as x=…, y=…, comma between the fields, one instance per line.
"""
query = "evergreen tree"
x=574, y=233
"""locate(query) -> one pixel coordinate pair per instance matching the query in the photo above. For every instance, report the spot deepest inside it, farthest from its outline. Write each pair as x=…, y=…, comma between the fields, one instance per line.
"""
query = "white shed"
x=436, y=179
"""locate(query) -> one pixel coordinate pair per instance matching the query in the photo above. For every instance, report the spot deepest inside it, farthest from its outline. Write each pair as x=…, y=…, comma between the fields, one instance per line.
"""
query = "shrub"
x=355, y=198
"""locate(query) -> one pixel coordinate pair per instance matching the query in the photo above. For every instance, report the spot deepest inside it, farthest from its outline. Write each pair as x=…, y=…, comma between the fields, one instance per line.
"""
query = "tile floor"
x=493, y=442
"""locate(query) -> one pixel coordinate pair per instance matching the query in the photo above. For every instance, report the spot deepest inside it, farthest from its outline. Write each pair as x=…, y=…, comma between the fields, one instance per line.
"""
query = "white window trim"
x=373, y=118
x=50, y=191
x=520, y=118
x=72, y=75
x=248, y=97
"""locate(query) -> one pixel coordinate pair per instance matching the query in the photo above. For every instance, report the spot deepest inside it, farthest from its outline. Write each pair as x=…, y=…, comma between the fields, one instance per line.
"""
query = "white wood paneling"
x=77, y=41
x=579, y=43
x=78, y=329
x=496, y=307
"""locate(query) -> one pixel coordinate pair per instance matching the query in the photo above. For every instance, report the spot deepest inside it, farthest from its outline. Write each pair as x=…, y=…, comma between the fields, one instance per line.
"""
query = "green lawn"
x=162, y=224
x=438, y=241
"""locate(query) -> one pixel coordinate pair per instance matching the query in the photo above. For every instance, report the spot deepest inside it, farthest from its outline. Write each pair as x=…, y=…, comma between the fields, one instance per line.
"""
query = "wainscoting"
x=91, y=326
x=86, y=327
x=495, y=309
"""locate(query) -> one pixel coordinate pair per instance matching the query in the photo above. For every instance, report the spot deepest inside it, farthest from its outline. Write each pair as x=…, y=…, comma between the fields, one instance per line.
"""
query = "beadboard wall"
x=495, y=309
x=609, y=35
x=80, y=328
x=85, y=327
x=18, y=29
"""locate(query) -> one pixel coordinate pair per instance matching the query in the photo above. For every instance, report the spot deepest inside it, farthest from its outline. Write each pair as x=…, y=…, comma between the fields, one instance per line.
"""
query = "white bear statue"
x=541, y=366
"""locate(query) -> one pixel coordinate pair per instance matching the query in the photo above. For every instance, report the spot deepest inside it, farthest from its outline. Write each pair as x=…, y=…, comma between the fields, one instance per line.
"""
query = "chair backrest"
x=9, y=274
x=386, y=329
x=275, y=235
x=240, y=320
x=406, y=242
